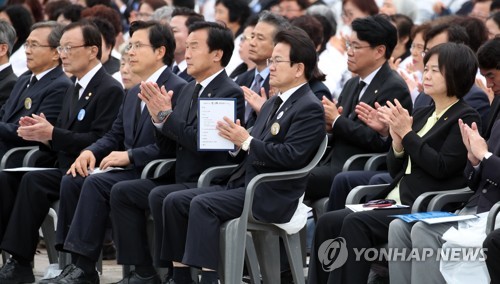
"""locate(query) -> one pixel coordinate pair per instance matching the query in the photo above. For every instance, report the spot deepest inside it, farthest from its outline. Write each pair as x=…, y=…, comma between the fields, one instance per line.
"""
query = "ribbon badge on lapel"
x=88, y=96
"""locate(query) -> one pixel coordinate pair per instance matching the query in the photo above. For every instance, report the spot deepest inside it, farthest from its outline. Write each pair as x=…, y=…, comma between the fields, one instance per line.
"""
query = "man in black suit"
x=129, y=144
x=181, y=19
x=285, y=137
x=255, y=82
x=129, y=199
x=78, y=125
x=39, y=90
x=7, y=76
x=369, y=47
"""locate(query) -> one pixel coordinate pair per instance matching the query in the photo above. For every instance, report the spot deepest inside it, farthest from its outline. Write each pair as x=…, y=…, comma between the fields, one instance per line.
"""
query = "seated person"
x=482, y=176
x=426, y=155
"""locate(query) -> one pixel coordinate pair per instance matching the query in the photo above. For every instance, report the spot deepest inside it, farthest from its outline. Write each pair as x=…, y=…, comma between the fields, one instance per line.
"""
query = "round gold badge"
x=275, y=128
x=27, y=103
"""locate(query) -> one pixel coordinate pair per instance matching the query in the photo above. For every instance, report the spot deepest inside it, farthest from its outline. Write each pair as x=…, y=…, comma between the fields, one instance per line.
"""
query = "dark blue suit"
x=246, y=79
x=129, y=199
x=46, y=96
x=7, y=81
x=301, y=121
x=39, y=189
x=72, y=232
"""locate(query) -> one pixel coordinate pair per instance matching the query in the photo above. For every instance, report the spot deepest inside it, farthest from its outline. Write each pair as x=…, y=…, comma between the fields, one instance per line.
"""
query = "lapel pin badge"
x=280, y=115
x=27, y=103
x=275, y=128
x=88, y=96
x=445, y=118
x=376, y=91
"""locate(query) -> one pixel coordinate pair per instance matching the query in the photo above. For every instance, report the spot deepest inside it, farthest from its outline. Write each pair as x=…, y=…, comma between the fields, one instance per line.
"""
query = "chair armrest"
x=359, y=192
x=450, y=196
x=12, y=154
x=356, y=162
x=492, y=216
x=375, y=162
x=156, y=167
x=33, y=156
x=209, y=174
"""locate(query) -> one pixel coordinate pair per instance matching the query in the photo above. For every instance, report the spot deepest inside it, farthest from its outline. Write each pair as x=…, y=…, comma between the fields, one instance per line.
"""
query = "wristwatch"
x=162, y=114
x=246, y=144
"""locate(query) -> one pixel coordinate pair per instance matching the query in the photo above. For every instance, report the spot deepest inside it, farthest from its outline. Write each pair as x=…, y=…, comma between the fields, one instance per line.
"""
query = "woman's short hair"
x=458, y=64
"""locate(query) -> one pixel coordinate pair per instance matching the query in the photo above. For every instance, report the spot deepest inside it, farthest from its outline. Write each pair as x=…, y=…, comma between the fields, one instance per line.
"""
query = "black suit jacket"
x=493, y=115
x=183, y=129
x=125, y=135
x=437, y=158
x=46, y=96
x=320, y=90
x=246, y=79
x=112, y=65
x=7, y=81
x=301, y=131
x=486, y=180
x=350, y=135
x=184, y=75
x=100, y=102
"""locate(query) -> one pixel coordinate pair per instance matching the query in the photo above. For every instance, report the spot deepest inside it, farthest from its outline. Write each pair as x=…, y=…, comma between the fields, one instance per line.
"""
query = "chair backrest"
x=277, y=176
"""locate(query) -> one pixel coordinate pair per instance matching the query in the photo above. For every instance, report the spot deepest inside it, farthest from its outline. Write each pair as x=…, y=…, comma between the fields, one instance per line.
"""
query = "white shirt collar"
x=3, y=66
x=154, y=77
x=207, y=81
x=40, y=75
x=286, y=95
x=85, y=80
x=182, y=65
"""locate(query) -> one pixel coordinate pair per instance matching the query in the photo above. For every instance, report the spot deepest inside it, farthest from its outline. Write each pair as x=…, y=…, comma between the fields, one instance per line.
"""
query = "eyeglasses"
x=245, y=37
x=34, y=45
x=67, y=49
x=137, y=45
x=355, y=47
x=417, y=46
x=271, y=61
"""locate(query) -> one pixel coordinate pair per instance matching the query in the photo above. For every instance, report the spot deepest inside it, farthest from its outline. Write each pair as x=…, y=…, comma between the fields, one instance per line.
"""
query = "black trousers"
x=192, y=221
x=129, y=214
x=343, y=183
x=37, y=191
x=365, y=229
x=492, y=243
x=84, y=211
x=9, y=184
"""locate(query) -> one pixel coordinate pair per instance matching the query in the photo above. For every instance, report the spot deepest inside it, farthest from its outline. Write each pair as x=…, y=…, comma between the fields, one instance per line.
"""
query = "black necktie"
x=32, y=81
x=355, y=98
x=74, y=99
x=275, y=108
x=175, y=69
x=194, y=99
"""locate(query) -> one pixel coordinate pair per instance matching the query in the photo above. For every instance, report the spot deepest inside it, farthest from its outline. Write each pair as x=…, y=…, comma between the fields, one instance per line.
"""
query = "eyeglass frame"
x=67, y=49
x=137, y=45
x=27, y=45
x=355, y=48
x=275, y=61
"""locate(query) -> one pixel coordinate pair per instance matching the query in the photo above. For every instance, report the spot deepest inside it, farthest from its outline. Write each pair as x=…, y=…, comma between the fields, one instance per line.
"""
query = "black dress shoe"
x=134, y=278
x=14, y=273
x=108, y=251
x=78, y=276
x=67, y=269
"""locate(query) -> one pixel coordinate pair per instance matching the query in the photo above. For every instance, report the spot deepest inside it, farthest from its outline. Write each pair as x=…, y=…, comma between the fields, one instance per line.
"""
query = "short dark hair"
x=190, y=14
x=55, y=33
x=106, y=29
x=21, y=20
x=302, y=49
x=423, y=28
x=476, y=30
x=159, y=35
x=377, y=30
x=404, y=24
x=219, y=38
x=183, y=3
x=311, y=26
x=303, y=4
x=107, y=13
x=495, y=17
x=488, y=54
x=54, y=8
x=279, y=22
x=90, y=32
x=458, y=64
x=455, y=33
x=72, y=12
x=239, y=11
